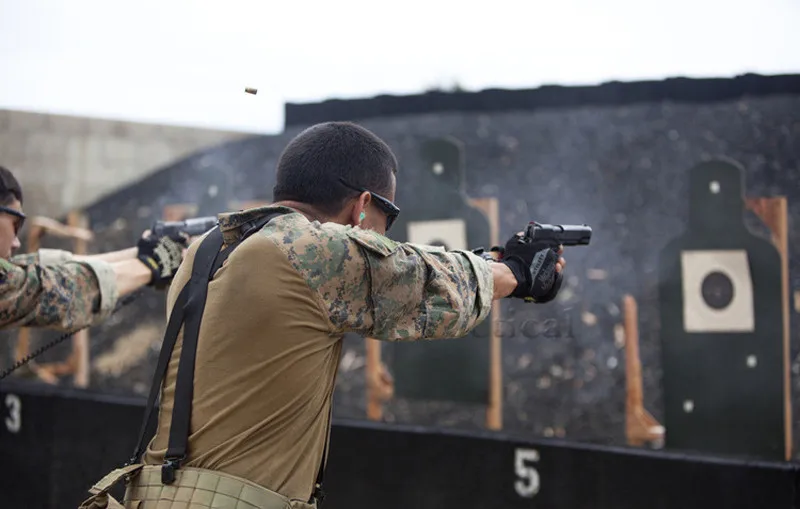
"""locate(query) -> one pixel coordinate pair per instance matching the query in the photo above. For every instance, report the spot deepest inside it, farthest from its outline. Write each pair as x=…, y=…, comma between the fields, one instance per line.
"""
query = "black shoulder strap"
x=187, y=312
x=206, y=255
x=168, y=345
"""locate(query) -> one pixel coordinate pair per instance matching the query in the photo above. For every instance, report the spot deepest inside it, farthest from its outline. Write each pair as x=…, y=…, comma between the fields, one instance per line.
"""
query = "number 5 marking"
x=14, y=419
x=527, y=483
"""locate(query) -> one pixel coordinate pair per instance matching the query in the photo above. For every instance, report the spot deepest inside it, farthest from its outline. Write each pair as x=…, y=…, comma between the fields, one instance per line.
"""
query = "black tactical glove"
x=162, y=255
x=534, y=265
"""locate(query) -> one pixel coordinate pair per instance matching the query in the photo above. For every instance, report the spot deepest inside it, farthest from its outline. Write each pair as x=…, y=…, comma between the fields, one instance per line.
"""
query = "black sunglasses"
x=16, y=213
x=387, y=207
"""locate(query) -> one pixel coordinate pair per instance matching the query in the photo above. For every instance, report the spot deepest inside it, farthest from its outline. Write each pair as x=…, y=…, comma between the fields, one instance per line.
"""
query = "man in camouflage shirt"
x=271, y=336
x=56, y=289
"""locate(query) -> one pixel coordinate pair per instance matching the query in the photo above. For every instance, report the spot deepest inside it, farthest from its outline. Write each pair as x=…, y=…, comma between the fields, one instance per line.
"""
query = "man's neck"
x=307, y=210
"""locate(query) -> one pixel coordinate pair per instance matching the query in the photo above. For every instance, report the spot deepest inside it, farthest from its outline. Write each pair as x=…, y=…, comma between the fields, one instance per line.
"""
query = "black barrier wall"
x=685, y=90
x=615, y=156
x=56, y=443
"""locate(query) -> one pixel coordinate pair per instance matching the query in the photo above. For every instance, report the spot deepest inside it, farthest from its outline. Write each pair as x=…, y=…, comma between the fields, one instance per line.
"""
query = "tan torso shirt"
x=270, y=338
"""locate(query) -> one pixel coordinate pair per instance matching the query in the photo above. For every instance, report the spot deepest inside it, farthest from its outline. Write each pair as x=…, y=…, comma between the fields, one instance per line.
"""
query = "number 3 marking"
x=14, y=419
x=527, y=483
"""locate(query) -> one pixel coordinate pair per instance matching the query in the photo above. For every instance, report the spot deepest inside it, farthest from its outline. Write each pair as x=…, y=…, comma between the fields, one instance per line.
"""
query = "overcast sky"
x=188, y=62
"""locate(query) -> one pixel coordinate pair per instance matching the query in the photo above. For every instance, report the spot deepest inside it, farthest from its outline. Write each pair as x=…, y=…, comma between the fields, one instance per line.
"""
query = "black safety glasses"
x=387, y=207
x=17, y=214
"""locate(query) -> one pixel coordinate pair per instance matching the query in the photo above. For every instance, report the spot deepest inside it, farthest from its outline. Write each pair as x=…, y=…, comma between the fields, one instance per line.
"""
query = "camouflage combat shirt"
x=271, y=337
x=49, y=289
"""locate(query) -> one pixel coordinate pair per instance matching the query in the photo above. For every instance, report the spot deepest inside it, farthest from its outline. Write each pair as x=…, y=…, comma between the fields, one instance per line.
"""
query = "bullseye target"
x=448, y=233
x=717, y=291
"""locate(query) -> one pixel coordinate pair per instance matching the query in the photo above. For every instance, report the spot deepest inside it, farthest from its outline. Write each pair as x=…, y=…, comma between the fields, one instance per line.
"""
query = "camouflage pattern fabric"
x=26, y=259
x=37, y=291
x=42, y=257
x=372, y=285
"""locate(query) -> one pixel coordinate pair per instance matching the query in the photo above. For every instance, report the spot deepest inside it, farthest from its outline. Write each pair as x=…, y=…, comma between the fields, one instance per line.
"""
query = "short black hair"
x=9, y=187
x=312, y=164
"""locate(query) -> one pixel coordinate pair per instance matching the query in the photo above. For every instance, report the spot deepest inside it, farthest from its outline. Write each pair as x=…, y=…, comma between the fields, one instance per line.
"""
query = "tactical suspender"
x=188, y=312
x=207, y=254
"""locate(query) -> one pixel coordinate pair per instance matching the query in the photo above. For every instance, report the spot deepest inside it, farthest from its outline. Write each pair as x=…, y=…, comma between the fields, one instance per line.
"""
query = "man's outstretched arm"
x=45, y=290
x=113, y=256
x=66, y=296
x=55, y=256
x=394, y=291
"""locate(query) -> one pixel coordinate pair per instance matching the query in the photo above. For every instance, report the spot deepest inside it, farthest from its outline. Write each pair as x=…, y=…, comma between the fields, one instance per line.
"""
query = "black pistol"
x=559, y=234
x=191, y=227
x=553, y=235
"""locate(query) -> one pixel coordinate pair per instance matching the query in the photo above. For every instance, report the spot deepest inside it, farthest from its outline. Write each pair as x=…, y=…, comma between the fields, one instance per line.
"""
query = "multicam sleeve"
x=66, y=296
x=393, y=291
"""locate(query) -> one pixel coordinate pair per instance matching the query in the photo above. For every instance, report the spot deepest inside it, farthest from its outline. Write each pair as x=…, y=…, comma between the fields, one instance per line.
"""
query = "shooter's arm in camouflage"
x=369, y=284
x=65, y=295
x=56, y=256
x=55, y=289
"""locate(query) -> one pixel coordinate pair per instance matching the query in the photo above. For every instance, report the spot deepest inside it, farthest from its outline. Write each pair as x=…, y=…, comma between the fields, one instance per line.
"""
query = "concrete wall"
x=68, y=162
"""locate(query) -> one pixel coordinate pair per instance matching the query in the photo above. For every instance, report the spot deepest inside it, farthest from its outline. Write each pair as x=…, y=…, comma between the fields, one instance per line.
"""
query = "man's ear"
x=365, y=199
x=360, y=208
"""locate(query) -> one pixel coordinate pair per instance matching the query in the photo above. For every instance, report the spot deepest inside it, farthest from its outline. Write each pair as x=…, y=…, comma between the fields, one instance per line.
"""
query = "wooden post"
x=640, y=426
x=49, y=372
x=178, y=212
x=79, y=360
x=181, y=211
x=494, y=411
x=372, y=369
x=773, y=212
